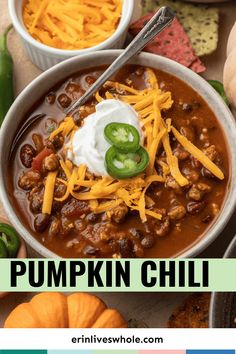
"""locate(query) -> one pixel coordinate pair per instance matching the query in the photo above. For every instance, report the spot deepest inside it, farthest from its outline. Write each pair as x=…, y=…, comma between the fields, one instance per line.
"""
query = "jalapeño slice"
x=122, y=165
x=123, y=136
x=10, y=238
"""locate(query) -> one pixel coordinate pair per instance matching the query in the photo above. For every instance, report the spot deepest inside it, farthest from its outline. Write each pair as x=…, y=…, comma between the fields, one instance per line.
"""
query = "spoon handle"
x=157, y=23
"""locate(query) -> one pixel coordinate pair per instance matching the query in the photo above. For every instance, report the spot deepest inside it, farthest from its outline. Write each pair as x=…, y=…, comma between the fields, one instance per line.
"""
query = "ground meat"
x=197, y=191
x=66, y=226
x=181, y=153
x=191, y=175
x=177, y=212
x=51, y=163
x=162, y=227
x=107, y=231
x=171, y=183
x=55, y=227
x=118, y=213
x=211, y=152
x=29, y=180
x=36, y=199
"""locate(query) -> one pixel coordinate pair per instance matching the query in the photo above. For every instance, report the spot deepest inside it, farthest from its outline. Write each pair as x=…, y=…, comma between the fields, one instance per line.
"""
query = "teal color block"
x=23, y=351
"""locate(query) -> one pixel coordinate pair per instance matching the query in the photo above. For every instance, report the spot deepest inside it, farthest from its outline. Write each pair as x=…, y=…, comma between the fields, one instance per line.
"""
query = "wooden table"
x=152, y=308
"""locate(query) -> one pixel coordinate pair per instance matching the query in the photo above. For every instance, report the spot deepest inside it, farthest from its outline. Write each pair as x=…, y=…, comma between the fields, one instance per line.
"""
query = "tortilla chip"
x=200, y=22
x=172, y=42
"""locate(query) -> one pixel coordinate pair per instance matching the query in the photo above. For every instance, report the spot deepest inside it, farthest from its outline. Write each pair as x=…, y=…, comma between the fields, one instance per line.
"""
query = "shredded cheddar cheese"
x=65, y=128
x=198, y=154
x=71, y=25
x=49, y=192
x=105, y=193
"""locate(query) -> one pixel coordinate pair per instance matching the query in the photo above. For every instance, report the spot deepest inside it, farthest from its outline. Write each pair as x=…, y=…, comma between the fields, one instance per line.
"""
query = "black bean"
x=148, y=241
x=64, y=100
x=126, y=247
x=195, y=207
x=27, y=153
x=41, y=222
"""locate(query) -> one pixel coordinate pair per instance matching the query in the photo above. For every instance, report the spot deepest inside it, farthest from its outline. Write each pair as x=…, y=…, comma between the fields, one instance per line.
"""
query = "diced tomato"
x=37, y=163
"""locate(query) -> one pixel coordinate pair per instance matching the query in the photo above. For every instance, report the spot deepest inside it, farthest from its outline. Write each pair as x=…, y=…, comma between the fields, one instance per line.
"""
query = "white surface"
x=172, y=339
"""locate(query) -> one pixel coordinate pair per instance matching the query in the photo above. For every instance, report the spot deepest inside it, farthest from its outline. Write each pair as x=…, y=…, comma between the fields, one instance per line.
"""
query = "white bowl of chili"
x=31, y=95
x=45, y=56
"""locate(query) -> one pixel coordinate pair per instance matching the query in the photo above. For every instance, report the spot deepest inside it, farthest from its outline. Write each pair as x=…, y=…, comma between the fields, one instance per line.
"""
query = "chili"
x=10, y=238
x=6, y=76
x=124, y=137
x=125, y=165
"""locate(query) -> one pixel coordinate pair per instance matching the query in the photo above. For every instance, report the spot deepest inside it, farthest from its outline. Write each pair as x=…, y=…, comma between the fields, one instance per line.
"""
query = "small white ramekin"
x=45, y=57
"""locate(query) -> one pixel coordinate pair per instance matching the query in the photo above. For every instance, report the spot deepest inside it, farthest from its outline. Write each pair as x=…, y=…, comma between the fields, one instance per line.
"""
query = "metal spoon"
x=157, y=23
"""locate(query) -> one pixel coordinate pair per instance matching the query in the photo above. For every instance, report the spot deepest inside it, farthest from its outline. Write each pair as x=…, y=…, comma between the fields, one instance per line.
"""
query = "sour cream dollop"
x=89, y=145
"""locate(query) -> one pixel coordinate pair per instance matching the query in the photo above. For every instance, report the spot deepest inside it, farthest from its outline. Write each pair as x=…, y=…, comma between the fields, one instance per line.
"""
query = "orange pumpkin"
x=55, y=310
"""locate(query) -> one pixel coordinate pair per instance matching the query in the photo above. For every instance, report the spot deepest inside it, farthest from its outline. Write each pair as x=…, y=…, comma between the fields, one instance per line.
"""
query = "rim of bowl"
x=181, y=72
x=213, y=314
x=20, y=28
